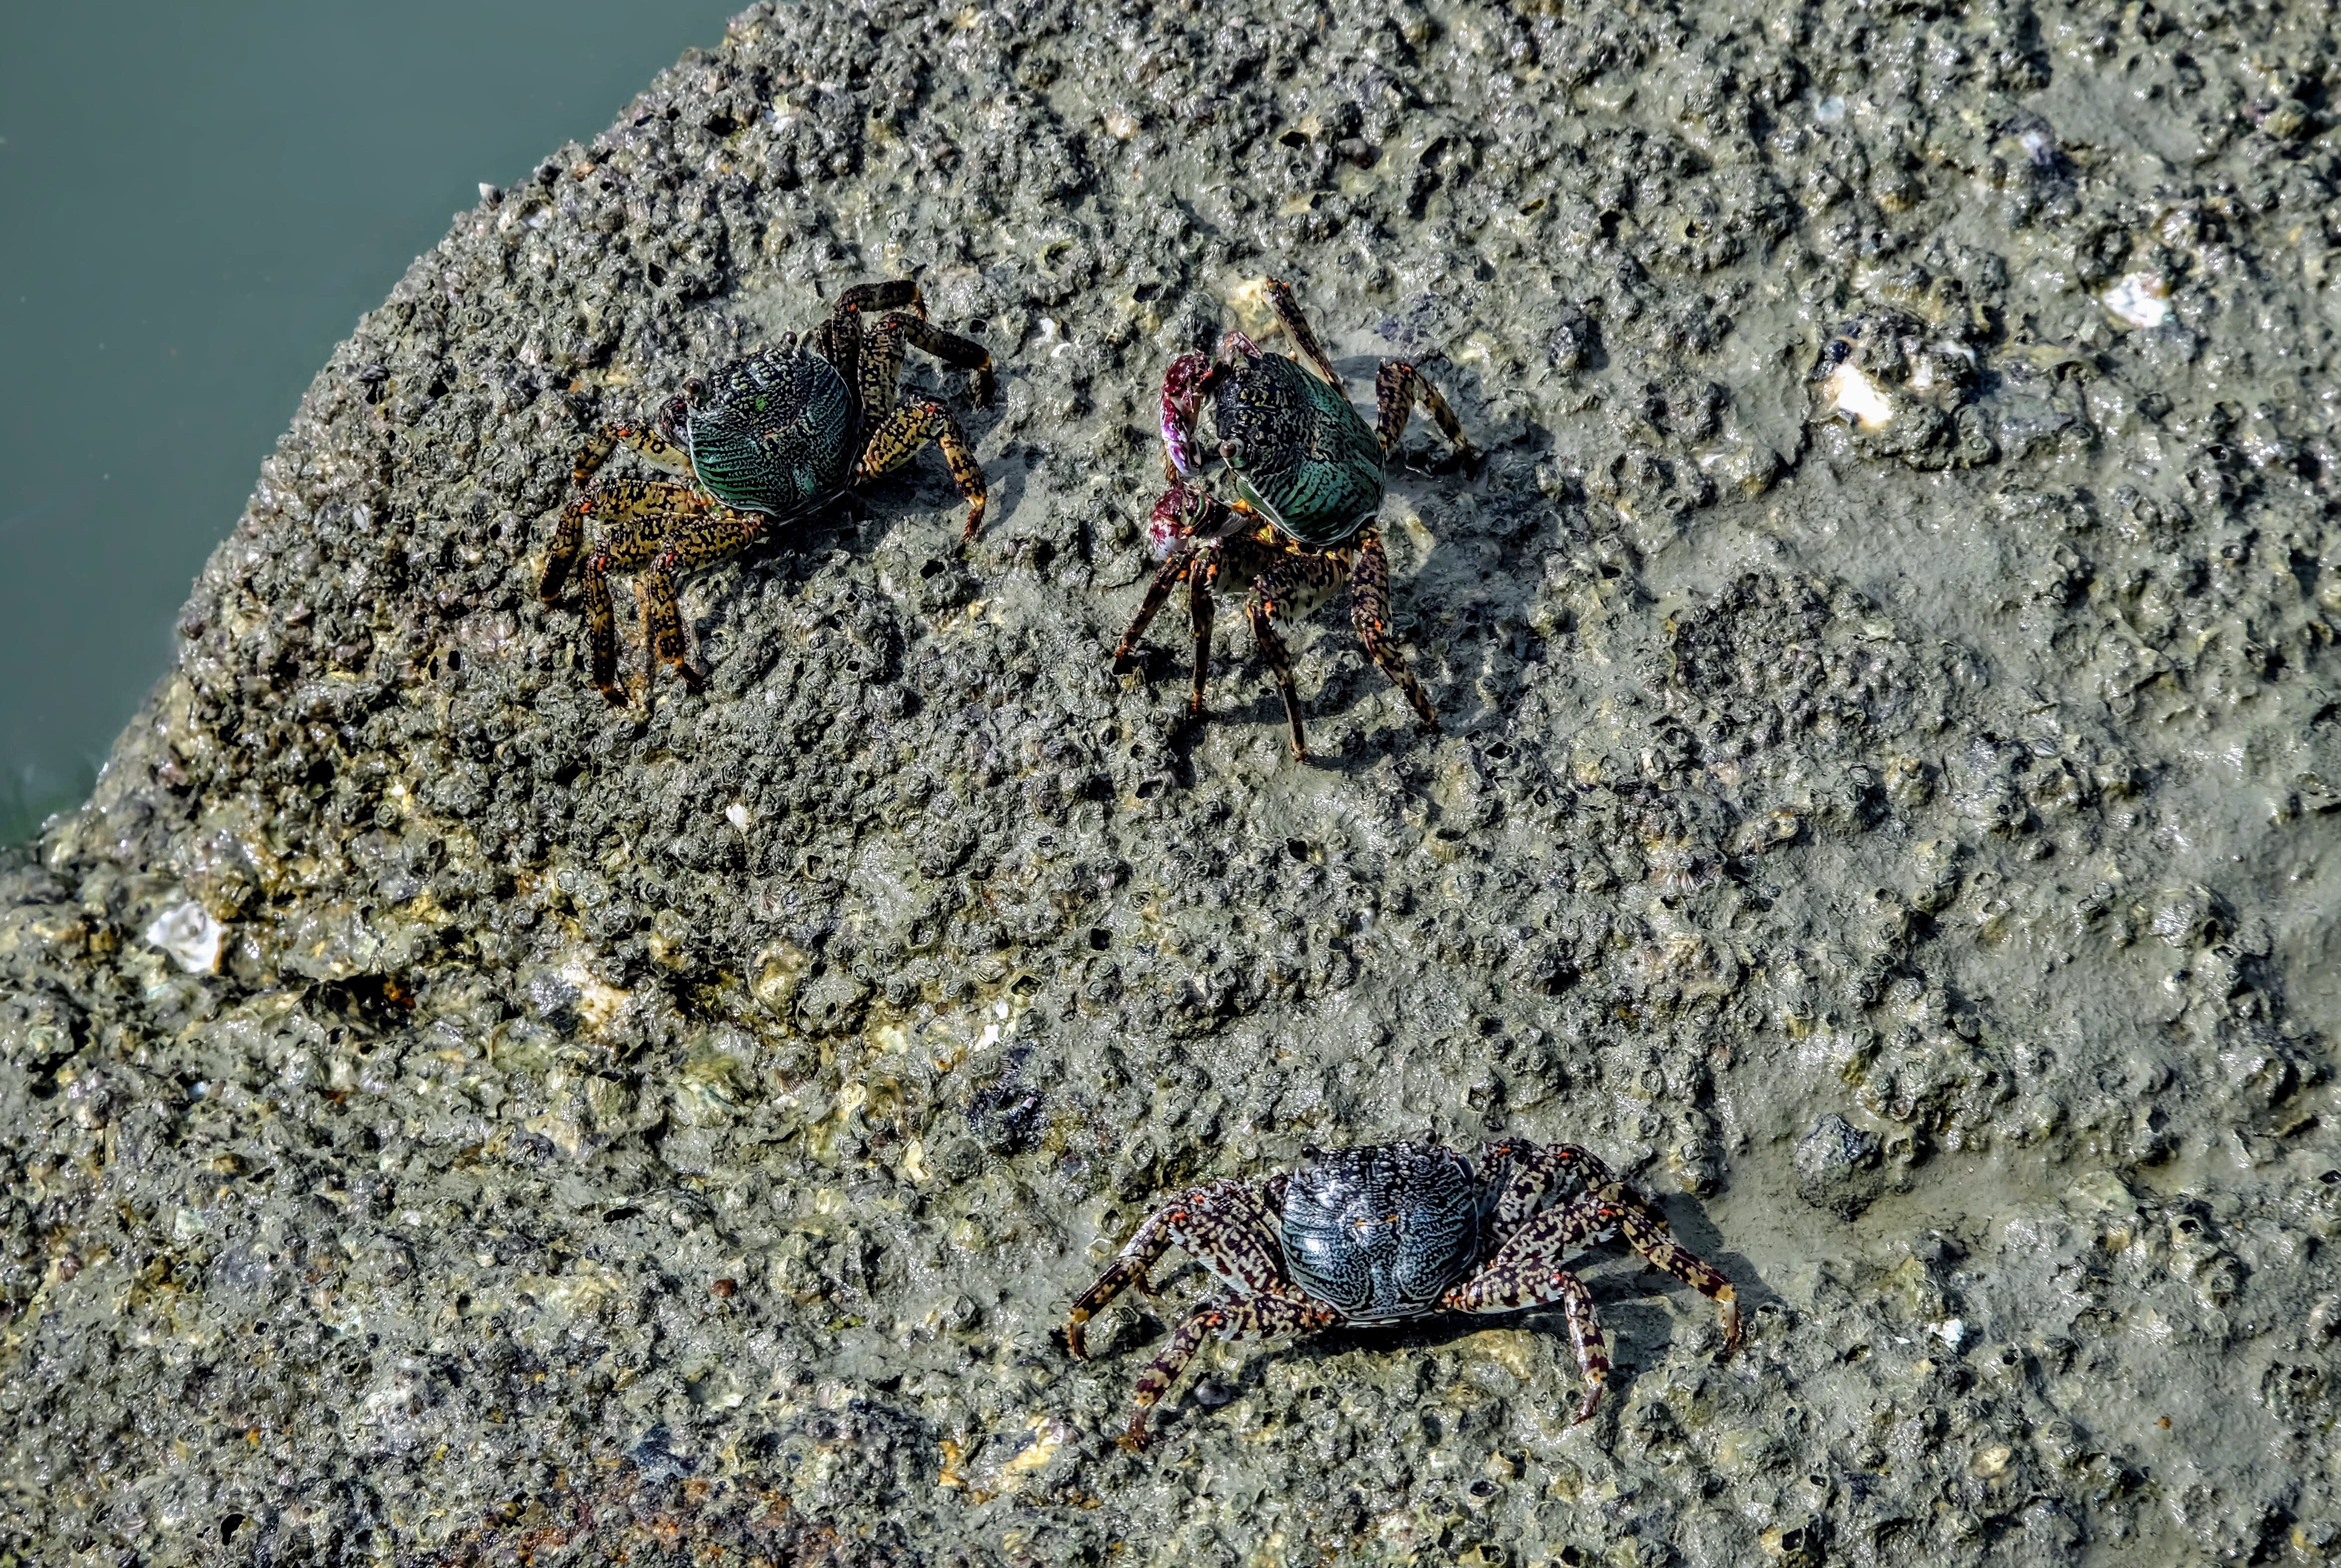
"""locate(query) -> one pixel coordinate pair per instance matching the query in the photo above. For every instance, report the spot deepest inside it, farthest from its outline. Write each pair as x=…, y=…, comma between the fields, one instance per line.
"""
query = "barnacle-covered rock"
x=442, y=1120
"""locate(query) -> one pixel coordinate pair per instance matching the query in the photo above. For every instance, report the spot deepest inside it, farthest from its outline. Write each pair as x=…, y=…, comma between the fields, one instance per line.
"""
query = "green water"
x=195, y=203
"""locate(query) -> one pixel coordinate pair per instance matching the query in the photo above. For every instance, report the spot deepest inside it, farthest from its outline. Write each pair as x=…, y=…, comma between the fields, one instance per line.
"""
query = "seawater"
x=195, y=203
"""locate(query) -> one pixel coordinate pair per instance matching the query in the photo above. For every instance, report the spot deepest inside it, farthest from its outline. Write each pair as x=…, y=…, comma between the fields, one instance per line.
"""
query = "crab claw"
x=1182, y=396
x=1184, y=512
x=1173, y=513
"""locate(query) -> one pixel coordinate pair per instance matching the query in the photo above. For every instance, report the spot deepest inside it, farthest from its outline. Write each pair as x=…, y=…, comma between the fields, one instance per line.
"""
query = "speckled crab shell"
x=776, y=435
x=1381, y=1232
x=1301, y=455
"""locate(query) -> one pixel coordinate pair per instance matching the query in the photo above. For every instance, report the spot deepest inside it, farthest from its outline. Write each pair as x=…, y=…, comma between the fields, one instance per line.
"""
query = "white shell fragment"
x=2141, y=299
x=189, y=934
x=736, y=814
x=1857, y=397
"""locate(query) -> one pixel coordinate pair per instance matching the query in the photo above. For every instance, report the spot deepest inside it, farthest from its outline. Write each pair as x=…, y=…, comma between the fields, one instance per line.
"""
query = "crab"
x=1308, y=474
x=1396, y=1231
x=777, y=436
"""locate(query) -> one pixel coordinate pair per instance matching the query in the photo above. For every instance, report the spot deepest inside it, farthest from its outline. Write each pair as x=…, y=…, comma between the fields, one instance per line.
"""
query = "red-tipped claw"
x=1184, y=512
x=1182, y=397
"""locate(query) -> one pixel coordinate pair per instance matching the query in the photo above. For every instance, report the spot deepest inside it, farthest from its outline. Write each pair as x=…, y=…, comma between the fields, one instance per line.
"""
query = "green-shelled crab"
x=777, y=435
x=1307, y=471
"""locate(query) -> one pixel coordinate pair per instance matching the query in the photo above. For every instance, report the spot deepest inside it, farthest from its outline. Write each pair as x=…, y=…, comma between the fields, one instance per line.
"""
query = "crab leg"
x=1296, y=584
x=878, y=371
x=1260, y=1315
x=648, y=440
x=1398, y=387
x=610, y=500
x=1304, y=337
x=839, y=338
x=882, y=363
x=602, y=631
x=1507, y=1287
x=912, y=426
x=1183, y=560
x=1527, y=1269
x=690, y=543
x=1644, y=1230
x=1593, y=1217
x=1370, y=614
x=645, y=590
x=1538, y=1173
x=1261, y=608
x=1199, y=550
x=1199, y=583
x=894, y=293
x=1222, y=1224
x=637, y=515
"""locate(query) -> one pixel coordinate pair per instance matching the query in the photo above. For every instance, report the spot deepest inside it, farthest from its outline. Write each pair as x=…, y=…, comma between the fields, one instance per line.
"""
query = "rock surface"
x=1837, y=1165
x=1888, y=661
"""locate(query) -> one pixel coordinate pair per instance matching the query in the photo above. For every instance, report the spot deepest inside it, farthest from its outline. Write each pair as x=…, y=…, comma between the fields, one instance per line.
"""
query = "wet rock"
x=655, y=1460
x=1576, y=340
x=1837, y=1167
x=1970, y=772
x=189, y=934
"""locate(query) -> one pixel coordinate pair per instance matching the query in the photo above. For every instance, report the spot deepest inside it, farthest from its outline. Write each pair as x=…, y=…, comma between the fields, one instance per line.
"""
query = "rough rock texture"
x=584, y=1133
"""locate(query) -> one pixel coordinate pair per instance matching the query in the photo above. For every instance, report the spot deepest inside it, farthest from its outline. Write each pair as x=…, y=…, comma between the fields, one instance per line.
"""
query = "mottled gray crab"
x=1396, y=1231
x=778, y=435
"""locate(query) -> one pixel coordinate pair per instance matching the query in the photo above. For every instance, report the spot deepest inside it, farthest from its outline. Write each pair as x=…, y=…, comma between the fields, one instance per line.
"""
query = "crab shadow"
x=1499, y=489
x=1241, y=689
x=857, y=522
